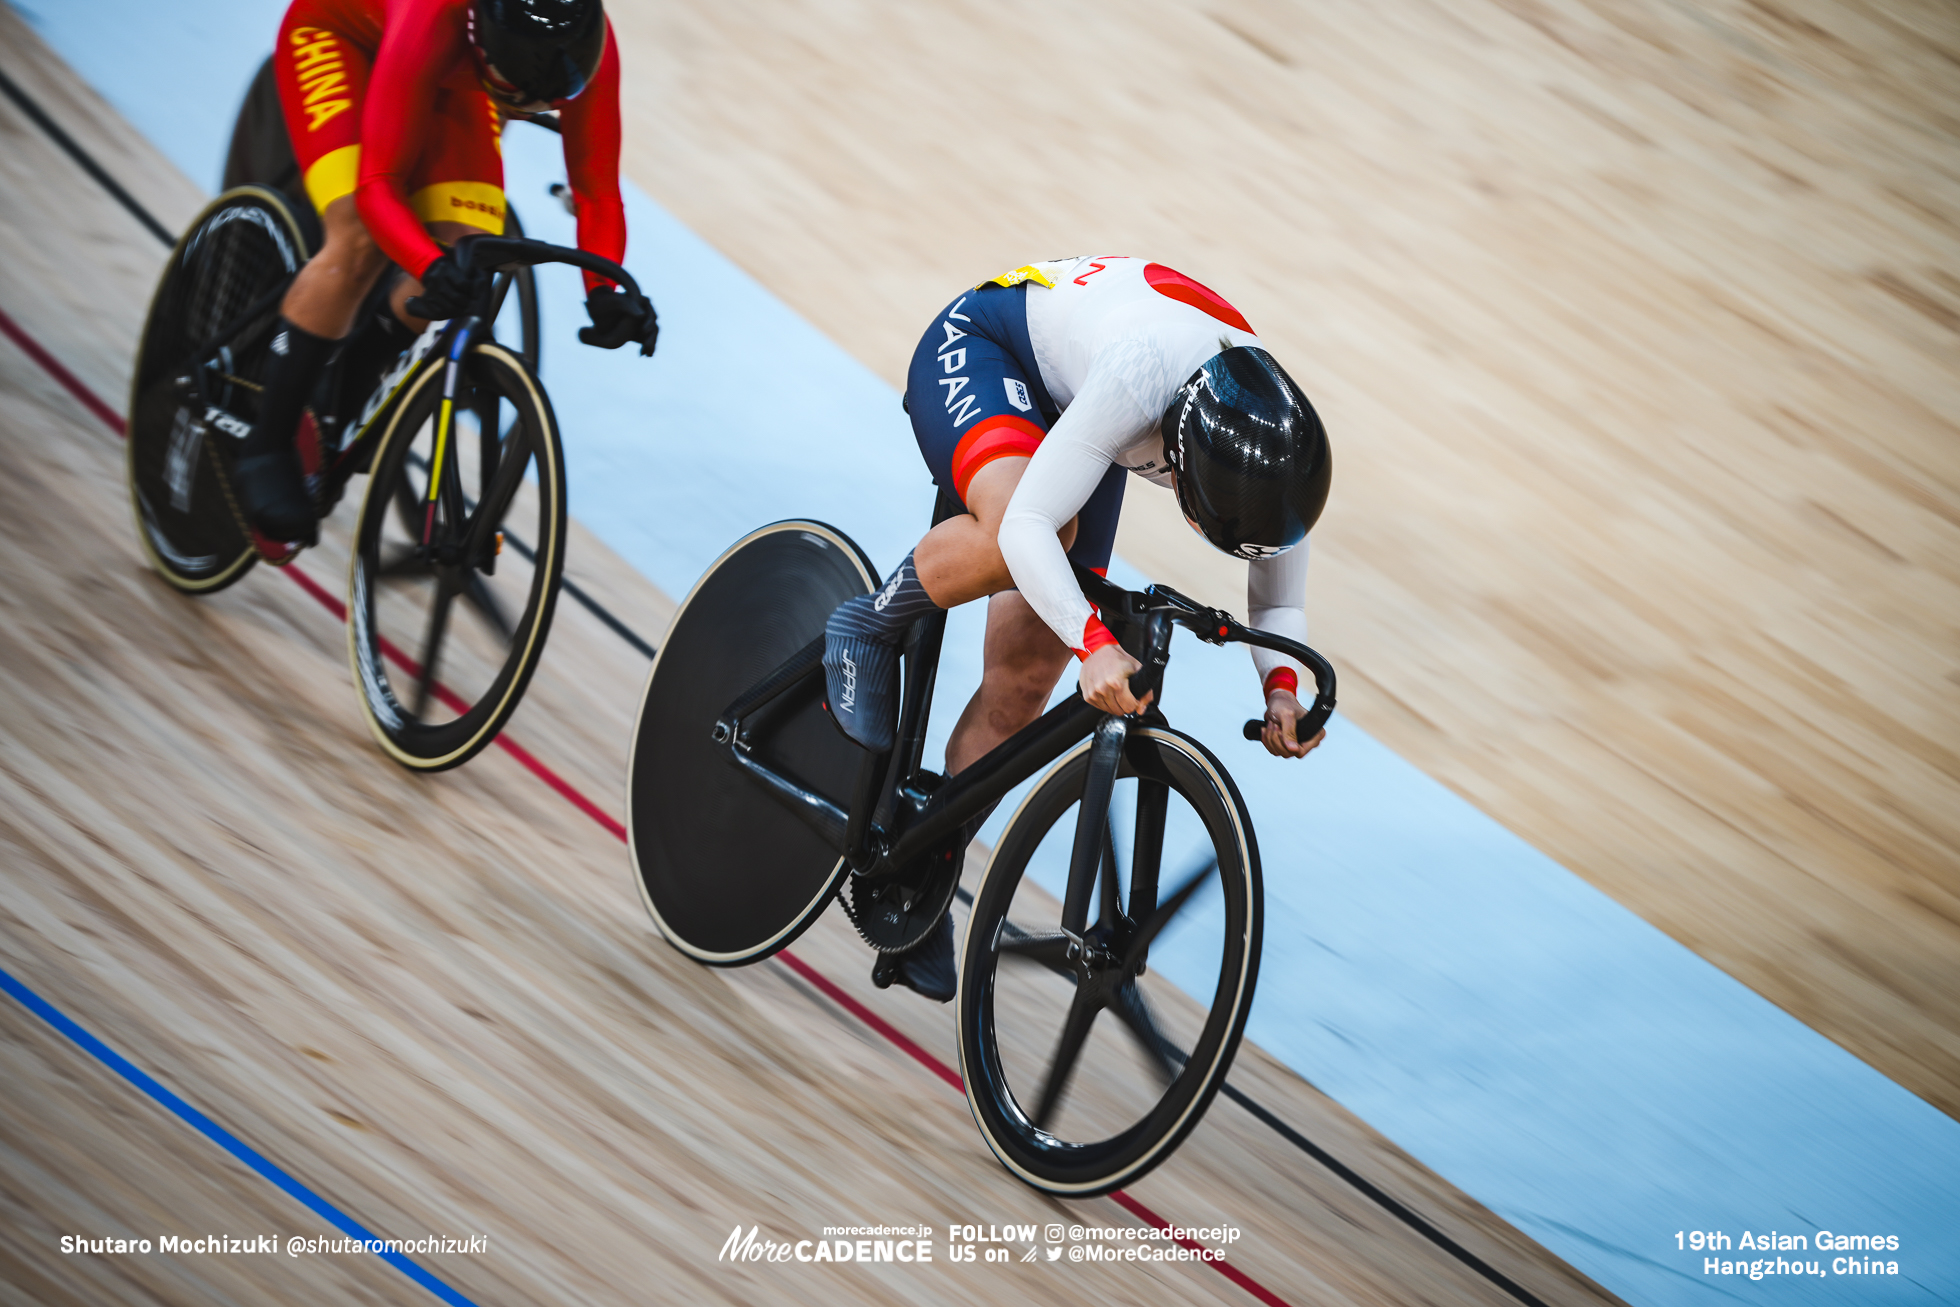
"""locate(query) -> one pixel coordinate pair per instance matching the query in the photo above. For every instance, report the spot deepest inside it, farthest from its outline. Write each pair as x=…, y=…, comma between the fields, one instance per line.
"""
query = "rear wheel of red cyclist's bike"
x=209, y=328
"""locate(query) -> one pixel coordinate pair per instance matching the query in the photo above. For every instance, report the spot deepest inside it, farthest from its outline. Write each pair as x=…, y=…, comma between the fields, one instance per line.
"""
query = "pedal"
x=276, y=553
x=884, y=971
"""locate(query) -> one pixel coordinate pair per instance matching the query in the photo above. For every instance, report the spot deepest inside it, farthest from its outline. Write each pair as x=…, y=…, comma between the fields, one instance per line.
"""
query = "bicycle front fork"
x=443, y=469
x=1092, y=824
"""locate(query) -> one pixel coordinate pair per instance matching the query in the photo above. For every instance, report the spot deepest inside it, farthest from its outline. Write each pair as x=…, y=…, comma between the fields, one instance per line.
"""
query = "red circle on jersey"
x=1166, y=281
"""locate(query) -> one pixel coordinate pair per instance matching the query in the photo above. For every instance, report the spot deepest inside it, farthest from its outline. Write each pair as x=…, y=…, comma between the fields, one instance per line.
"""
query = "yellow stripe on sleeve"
x=333, y=175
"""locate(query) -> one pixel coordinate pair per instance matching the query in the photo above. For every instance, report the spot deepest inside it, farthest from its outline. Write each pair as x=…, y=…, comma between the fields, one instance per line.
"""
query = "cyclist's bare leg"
x=318, y=311
x=328, y=291
x=959, y=560
x=1023, y=660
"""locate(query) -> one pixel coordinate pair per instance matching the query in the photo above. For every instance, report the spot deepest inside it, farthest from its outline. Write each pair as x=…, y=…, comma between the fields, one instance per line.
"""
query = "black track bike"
x=1126, y=883
x=465, y=499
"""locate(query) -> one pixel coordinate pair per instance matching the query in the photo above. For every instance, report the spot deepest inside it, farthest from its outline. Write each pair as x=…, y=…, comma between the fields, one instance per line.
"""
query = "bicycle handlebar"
x=489, y=252
x=1322, y=707
x=1255, y=729
x=1214, y=626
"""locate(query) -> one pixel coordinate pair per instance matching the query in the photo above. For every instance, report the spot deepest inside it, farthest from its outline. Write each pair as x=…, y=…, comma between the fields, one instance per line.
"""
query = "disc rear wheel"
x=729, y=874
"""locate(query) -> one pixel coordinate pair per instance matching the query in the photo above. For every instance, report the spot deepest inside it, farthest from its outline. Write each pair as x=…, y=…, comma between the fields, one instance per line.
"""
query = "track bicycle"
x=458, y=437
x=748, y=811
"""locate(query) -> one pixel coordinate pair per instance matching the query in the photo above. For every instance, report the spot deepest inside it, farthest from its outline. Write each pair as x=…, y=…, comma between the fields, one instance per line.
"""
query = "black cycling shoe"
x=272, y=496
x=927, y=967
x=861, y=677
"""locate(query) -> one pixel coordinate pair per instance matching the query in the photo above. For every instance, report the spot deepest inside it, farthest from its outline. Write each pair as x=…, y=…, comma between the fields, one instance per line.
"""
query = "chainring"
x=894, y=913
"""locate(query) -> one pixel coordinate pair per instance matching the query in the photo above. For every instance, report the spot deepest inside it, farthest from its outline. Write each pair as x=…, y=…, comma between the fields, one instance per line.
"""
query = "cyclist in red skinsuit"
x=394, y=108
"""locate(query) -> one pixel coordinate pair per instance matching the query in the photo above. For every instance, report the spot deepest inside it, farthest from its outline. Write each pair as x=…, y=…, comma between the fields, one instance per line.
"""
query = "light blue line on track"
x=1535, y=1043
x=220, y=1136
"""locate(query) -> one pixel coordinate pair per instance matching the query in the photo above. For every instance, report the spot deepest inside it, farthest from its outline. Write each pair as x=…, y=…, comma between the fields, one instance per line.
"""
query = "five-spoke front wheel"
x=1089, y=1060
x=457, y=560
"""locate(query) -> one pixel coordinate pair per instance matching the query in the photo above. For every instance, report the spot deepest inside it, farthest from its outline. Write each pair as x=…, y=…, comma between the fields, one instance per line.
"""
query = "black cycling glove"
x=614, y=322
x=451, y=287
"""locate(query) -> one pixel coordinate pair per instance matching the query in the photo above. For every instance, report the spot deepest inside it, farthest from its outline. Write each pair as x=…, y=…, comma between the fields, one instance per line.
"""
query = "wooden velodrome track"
x=1636, y=326
x=1638, y=329
x=437, y=1001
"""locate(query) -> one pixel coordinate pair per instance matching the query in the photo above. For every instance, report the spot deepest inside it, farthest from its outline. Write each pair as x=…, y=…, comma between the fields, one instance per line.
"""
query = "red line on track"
x=69, y=381
x=872, y=1019
x=1226, y=1269
x=524, y=756
x=93, y=403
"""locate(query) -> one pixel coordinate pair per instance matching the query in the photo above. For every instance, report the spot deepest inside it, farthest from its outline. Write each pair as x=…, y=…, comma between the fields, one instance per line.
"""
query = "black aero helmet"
x=542, y=50
x=1250, y=454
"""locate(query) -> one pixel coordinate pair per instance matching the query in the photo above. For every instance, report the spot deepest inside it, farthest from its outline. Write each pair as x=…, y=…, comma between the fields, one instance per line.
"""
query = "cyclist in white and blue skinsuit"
x=1031, y=396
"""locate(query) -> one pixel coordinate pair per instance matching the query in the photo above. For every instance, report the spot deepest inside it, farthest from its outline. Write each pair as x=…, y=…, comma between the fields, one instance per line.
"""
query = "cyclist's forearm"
x=592, y=136
x=1102, y=420
x=394, y=226
x=1059, y=480
x=1276, y=590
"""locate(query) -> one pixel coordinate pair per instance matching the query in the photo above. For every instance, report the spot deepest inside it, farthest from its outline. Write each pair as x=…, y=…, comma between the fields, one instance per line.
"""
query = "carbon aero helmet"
x=538, y=51
x=1251, y=457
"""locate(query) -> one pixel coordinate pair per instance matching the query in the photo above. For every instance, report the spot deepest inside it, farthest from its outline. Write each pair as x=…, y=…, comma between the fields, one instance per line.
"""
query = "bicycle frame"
x=441, y=344
x=445, y=342
x=897, y=815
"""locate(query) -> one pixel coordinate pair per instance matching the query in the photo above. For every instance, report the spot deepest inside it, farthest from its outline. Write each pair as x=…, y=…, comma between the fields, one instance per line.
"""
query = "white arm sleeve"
x=1275, y=600
x=1103, y=420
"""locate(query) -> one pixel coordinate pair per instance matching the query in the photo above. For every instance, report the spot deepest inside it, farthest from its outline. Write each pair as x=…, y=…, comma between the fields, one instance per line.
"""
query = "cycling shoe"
x=272, y=496
x=927, y=967
x=861, y=677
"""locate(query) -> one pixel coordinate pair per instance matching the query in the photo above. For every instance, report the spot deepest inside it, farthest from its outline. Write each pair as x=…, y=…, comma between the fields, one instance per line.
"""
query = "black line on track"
x=25, y=103
x=1259, y=1112
x=1386, y=1203
x=1271, y=1120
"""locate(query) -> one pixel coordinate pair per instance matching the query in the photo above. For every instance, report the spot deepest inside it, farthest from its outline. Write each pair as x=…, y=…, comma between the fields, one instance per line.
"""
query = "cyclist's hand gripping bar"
x=492, y=252
x=1323, y=678
x=1213, y=626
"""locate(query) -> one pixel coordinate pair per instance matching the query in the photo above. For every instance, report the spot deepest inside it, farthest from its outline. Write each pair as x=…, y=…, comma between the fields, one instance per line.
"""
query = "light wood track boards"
x=437, y=1000
x=1637, y=330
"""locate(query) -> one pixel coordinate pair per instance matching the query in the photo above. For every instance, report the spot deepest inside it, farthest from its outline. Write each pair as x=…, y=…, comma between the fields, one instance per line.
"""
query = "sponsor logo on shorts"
x=1017, y=393
x=458, y=202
